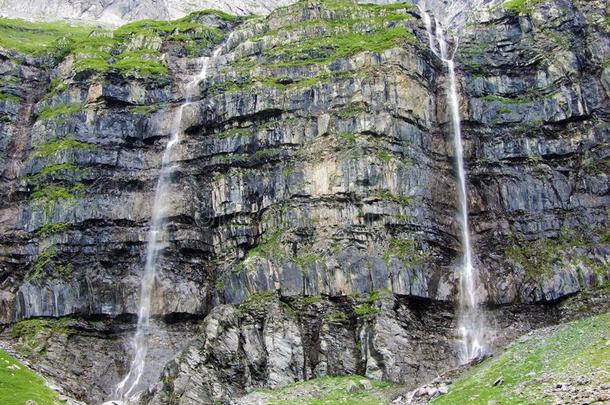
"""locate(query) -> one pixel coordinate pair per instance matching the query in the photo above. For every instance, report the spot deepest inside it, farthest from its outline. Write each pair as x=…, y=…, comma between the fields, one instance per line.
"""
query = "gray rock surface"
x=329, y=184
x=117, y=12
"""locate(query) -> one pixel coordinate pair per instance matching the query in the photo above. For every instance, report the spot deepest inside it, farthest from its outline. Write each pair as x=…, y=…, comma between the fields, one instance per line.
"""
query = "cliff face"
x=314, y=186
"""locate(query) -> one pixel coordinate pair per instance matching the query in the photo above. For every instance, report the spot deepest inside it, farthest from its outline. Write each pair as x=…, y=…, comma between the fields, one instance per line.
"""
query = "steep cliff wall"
x=314, y=186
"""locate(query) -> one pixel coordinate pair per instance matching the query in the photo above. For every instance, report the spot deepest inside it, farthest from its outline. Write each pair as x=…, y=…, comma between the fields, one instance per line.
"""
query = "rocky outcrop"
x=315, y=168
x=537, y=135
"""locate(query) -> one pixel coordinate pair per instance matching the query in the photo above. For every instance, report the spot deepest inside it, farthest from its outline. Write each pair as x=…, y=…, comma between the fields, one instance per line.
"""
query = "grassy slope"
x=132, y=49
x=536, y=362
x=18, y=384
x=36, y=37
x=330, y=391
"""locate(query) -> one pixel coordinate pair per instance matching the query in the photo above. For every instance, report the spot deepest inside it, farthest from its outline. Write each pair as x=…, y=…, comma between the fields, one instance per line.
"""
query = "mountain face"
x=116, y=12
x=312, y=211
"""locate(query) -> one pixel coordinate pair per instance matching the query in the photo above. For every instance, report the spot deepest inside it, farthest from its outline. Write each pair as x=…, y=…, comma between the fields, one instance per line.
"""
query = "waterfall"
x=471, y=322
x=157, y=239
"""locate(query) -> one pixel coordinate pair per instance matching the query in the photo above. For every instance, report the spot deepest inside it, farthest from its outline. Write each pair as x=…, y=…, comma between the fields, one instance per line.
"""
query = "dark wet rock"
x=325, y=183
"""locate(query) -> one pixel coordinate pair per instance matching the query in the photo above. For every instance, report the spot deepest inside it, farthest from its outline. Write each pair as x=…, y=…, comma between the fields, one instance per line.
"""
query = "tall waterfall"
x=157, y=239
x=471, y=322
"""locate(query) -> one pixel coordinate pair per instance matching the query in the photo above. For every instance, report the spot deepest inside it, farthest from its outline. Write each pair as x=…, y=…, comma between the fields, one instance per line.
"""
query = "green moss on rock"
x=11, y=98
x=538, y=258
x=55, y=112
x=406, y=251
x=521, y=6
x=52, y=229
x=55, y=146
x=256, y=302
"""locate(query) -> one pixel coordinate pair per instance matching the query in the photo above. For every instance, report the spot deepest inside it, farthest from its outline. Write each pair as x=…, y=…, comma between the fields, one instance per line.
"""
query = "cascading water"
x=128, y=387
x=471, y=322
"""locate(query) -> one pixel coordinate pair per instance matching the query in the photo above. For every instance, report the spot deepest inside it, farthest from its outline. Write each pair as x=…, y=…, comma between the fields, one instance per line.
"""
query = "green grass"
x=506, y=100
x=55, y=146
x=308, y=259
x=53, y=193
x=38, y=38
x=327, y=49
x=134, y=64
x=18, y=384
x=406, y=251
x=97, y=51
x=54, y=170
x=52, y=229
x=344, y=29
x=269, y=247
x=385, y=155
x=331, y=391
x=348, y=137
x=538, y=258
x=386, y=195
x=45, y=258
x=579, y=348
x=368, y=307
x=10, y=98
x=31, y=335
x=256, y=302
x=47, y=262
x=57, y=86
x=234, y=133
x=521, y=6
x=54, y=112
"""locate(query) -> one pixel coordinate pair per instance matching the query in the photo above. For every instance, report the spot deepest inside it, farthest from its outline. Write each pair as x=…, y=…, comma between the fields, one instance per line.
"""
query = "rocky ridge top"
x=117, y=12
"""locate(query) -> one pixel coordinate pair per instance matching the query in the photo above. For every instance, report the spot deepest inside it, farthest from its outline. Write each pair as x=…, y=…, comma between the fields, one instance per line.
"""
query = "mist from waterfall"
x=127, y=389
x=472, y=325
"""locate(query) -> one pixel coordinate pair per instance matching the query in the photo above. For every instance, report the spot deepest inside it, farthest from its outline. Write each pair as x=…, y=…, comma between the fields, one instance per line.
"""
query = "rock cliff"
x=312, y=225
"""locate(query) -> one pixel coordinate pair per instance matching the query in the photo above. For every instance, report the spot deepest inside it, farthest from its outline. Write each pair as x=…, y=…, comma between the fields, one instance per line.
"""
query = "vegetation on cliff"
x=132, y=50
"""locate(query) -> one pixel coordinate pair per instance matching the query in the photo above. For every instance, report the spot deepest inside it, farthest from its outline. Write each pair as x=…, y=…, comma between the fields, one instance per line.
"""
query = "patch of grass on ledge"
x=52, y=229
x=49, y=149
x=37, y=38
x=140, y=63
x=521, y=6
x=46, y=263
x=18, y=384
x=327, y=49
x=538, y=258
x=54, y=193
x=332, y=391
x=97, y=50
x=10, y=98
x=535, y=363
x=53, y=112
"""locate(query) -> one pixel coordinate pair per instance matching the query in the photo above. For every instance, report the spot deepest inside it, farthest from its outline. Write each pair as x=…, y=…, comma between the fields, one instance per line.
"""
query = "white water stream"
x=129, y=388
x=471, y=321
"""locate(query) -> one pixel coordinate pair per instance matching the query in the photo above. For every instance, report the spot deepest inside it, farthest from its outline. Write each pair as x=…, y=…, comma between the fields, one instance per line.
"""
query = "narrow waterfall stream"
x=471, y=322
x=157, y=240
